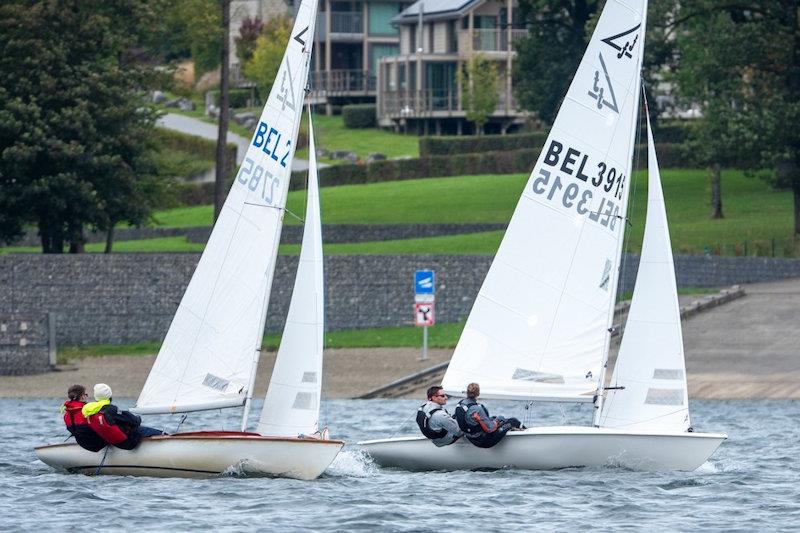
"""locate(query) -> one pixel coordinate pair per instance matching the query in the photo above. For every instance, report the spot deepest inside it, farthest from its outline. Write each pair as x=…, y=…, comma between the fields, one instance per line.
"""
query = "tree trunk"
x=222, y=135
x=109, y=239
x=715, y=178
x=77, y=241
x=796, y=190
x=52, y=237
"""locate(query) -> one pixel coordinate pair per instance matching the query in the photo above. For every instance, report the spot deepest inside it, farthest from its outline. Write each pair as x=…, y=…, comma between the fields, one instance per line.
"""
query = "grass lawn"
x=754, y=213
x=439, y=336
x=331, y=135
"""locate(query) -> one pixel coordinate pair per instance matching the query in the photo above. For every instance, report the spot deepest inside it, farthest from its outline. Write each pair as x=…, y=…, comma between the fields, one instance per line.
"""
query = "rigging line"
x=403, y=424
x=284, y=209
x=103, y=460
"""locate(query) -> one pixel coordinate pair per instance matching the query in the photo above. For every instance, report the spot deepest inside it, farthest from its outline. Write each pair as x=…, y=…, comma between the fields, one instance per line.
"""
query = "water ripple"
x=749, y=484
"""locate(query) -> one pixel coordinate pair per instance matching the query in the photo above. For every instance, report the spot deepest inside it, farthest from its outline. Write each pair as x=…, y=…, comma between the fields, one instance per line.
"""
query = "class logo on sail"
x=622, y=42
x=602, y=90
x=286, y=96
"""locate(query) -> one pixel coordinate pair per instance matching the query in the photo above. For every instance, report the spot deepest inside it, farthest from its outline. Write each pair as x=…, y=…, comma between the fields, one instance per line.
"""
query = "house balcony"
x=433, y=103
x=482, y=40
x=327, y=83
x=344, y=24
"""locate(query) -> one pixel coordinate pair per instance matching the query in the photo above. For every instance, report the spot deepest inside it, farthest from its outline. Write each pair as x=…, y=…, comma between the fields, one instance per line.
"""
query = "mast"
x=599, y=396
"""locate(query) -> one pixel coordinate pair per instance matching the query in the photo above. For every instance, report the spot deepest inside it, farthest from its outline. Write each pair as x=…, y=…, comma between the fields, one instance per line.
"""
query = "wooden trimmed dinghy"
x=209, y=357
x=540, y=328
x=201, y=454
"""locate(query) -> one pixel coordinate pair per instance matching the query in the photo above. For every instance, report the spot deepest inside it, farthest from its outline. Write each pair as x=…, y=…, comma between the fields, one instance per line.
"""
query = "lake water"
x=751, y=483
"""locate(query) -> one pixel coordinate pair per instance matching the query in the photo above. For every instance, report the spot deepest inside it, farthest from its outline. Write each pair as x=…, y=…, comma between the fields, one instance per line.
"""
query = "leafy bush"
x=359, y=116
x=432, y=146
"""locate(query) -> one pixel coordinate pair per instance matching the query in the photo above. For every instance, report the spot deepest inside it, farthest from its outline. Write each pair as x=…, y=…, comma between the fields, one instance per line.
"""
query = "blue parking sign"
x=424, y=282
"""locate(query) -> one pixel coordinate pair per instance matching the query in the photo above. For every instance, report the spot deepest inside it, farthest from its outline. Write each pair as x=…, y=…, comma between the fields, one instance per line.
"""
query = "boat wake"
x=352, y=463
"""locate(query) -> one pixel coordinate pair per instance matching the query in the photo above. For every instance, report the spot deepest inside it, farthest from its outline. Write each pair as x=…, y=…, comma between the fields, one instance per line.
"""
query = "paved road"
x=197, y=127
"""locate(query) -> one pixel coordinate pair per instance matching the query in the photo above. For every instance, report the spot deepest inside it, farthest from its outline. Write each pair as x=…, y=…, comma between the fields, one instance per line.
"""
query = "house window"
x=380, y=18
x=452, y=37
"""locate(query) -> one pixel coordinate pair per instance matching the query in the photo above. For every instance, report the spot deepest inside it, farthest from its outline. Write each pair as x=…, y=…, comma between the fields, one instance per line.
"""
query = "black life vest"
x=461, y=416
x=423, y=421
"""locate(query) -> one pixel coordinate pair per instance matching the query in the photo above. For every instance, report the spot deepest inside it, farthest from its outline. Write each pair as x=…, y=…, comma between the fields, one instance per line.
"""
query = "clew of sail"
x=539, y=326
x=291, y=406
x=650, y=364
x=209, y=355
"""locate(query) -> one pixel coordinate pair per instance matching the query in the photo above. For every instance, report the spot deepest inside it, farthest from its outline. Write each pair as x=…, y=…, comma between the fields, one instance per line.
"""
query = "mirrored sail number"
x=573, y=196
x=252, y=175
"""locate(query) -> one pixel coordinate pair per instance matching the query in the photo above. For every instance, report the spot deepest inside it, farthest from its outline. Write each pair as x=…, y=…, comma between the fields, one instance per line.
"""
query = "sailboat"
x=209, y=356
x=540, y=327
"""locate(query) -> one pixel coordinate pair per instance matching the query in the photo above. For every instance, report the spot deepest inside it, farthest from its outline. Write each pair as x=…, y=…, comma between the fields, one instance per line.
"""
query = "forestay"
x=650, y=364
x=209, y=355
x=291, y=407
x=539, y=325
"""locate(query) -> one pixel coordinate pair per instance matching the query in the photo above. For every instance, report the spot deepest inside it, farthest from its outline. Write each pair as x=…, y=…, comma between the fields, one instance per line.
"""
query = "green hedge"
x=196, y=193
x=359, y=116
x=457, y=145
x=502, y=162
x=670, y=155
x=507, y=162
x=236, y=97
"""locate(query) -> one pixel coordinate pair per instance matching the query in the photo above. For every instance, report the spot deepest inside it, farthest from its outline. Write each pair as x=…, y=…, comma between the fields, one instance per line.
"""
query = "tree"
x=74, y=129
x=249, y=32
x=478, y=78
x=742, y=63
x=559, y=31
x=266, y=58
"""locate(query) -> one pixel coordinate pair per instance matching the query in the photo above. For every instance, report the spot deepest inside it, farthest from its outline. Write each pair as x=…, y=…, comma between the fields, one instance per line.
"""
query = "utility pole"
x=222, y=134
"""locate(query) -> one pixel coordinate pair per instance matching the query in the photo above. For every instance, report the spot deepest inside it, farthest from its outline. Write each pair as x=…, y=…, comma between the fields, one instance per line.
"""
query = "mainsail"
x=539, y=325
x=209, y=355
x=650, y=365
x=291, y=407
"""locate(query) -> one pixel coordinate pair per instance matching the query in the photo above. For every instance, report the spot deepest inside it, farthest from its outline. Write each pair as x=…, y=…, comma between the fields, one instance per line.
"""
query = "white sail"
x=209, y=355
x=650, y=364
x=291, y=407
x=538, y=328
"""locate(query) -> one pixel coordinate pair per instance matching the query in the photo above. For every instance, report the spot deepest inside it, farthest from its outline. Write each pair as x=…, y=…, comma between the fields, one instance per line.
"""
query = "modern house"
x=418, y=88
x=351, y=38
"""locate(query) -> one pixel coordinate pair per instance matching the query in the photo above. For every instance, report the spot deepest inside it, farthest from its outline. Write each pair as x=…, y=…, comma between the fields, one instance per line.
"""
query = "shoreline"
x=350, y=372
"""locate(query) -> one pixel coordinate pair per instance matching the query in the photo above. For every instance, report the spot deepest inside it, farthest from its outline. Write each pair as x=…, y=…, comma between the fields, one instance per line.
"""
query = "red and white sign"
x=424, y=314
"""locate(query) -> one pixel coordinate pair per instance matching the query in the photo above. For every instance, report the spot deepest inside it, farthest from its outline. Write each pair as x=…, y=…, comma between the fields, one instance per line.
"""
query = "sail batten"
x=549, y=293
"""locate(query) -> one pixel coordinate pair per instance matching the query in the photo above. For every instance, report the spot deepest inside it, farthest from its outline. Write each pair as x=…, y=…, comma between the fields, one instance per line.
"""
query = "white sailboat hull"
x=547, y=448
x=200, y=455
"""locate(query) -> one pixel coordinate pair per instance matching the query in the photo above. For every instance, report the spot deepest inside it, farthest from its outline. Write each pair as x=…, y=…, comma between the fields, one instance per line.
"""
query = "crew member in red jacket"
x=76, y=423
x=123, y=429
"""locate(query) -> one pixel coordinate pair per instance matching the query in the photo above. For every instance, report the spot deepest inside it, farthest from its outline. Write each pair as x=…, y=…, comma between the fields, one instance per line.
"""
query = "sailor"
x=76, y=423
x=473, y=419
x=435, y=422
x=123, y=429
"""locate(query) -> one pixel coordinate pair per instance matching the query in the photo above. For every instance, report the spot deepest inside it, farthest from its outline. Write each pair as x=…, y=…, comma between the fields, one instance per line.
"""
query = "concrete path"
x=748, y=348
x=206, y=130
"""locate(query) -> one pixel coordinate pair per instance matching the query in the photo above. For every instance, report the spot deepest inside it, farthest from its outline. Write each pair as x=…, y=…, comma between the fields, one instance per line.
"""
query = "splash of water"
x=352, y=463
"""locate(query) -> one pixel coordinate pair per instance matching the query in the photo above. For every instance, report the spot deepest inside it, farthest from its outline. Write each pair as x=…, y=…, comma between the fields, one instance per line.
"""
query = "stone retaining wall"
x=125, y=298
x=24, y=344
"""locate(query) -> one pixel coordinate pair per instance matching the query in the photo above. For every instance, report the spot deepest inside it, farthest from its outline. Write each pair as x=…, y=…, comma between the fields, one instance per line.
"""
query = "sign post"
x=424, y=302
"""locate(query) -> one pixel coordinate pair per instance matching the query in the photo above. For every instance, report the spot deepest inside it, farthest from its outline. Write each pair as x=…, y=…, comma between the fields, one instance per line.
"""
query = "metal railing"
x=418, y=103
x=488, y=40
x=347, y=22
x=341, y=81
